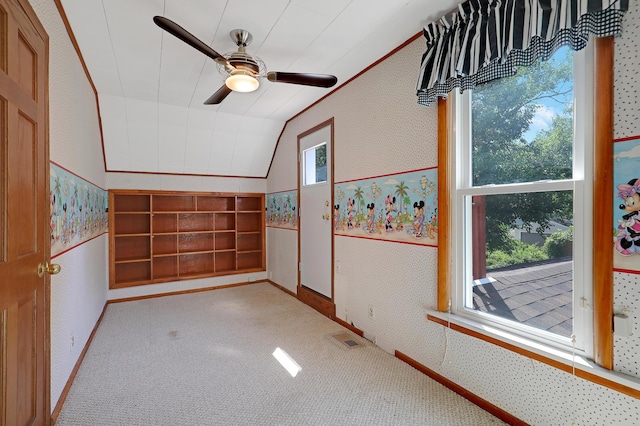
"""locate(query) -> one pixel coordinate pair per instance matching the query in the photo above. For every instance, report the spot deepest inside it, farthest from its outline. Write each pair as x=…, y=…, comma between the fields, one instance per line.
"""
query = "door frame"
x=319, y=302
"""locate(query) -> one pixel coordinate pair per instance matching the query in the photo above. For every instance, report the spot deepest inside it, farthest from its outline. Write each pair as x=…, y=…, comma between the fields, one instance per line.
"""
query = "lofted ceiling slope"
x=151, y=86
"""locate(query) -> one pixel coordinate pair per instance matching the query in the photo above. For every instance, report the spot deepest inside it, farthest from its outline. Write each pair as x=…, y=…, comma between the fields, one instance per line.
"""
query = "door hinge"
x=300, y=266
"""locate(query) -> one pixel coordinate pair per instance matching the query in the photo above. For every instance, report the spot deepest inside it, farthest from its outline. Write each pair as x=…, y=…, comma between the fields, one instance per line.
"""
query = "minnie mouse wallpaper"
x=628, y=237
x=626, y=205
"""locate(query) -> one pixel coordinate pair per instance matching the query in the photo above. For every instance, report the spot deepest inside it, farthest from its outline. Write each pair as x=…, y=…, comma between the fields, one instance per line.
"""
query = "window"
x=521, y=202
x=315, y=164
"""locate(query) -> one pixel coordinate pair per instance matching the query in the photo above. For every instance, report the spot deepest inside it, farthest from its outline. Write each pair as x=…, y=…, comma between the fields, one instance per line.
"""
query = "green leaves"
x=503, y=113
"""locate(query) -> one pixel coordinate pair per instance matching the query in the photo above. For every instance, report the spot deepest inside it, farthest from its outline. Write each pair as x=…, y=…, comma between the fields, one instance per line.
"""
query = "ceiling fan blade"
x=184, y=35
x=318, y=80
x=219, y=96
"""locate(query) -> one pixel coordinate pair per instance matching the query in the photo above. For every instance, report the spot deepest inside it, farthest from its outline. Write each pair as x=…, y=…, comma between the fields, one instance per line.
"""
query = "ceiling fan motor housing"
x=244, y=62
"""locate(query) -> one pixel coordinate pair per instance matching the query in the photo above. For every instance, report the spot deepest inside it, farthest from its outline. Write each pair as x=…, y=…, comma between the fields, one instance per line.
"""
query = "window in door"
x=315, y=164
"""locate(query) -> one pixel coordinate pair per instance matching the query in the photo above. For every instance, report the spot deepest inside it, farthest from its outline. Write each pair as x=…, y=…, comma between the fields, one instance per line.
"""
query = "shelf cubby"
x=225, y=261
x=189, y=222
x=164, y=223
x=249, y=204
x=131, y=203
x=132, y=223
x=195, y=243
x=173, y=203
x=225, y=221
x=165, y=244
x=248, y=222
x=165, y=267
x=216, y=204
x=249, y=241
x=225, y=241
x=250, y=260
x=129, y=248
x=196, y=264
x=134, y=272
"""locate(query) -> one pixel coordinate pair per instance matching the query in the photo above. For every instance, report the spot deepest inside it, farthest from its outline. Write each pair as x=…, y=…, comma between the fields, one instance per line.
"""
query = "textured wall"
x=626, y=77
x=78, y=293
x=627, y=124
x=378, y=130
x=184, y=183
x=282, y=257
x=627, y=348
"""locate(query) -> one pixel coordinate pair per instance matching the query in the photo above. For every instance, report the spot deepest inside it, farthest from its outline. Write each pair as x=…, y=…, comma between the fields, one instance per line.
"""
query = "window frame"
x=597, y=109
x=461, y=203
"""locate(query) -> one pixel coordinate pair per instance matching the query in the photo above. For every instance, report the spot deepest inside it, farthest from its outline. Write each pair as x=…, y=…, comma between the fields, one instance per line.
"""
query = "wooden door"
x=316, y=236
x=24, y=242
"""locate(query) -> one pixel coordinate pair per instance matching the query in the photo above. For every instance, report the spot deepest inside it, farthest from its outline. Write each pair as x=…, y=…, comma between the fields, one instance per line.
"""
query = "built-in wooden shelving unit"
x=169, y=236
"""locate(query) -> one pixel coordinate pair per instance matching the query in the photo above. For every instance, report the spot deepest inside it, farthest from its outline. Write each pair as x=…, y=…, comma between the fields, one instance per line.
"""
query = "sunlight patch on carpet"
x=287, y=362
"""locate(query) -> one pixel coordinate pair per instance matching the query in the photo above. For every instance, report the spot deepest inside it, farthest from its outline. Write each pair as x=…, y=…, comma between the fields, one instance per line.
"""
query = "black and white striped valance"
x=488, y=39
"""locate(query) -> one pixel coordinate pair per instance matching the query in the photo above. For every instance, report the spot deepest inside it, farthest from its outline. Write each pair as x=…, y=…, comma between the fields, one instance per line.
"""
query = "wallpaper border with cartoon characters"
x=282, y=209
x=626, y=204
x=78, y=210
x=401, y=207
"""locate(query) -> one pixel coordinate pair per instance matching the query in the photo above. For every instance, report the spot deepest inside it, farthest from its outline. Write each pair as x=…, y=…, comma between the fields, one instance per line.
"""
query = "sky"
x=549, y=109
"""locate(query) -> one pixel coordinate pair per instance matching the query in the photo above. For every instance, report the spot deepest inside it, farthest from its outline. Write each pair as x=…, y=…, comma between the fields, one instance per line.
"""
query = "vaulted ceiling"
x=151, y=86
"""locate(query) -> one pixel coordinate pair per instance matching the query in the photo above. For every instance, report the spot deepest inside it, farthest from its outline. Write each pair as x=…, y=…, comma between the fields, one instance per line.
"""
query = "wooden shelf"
x=249, y=241
x=164, y=223
x=195, y=243
x=133, y=260
x=249, y=204
x=165, y=244
x=217, y=204
x=132, y=272
x=131, y=203
x=127, y=213
x=224, y=241
x=249, y=221
x=174, y=203
x=128, y=247
x=249, y=260
x=135, y=223
x=160, y=236
x=165, y=267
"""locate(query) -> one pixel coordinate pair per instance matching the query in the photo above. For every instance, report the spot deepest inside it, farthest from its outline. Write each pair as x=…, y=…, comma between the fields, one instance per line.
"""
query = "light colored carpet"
x=206, y=359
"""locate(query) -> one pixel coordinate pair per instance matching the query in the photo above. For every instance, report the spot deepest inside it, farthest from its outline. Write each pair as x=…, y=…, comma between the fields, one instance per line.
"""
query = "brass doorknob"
x=52, y=269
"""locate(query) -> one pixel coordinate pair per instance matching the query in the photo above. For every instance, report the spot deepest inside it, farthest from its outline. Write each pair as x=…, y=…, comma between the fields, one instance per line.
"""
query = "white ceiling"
x=151, y=86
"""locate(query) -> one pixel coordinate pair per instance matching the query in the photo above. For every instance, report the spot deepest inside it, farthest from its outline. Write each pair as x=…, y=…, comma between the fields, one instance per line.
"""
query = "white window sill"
x=563, y=360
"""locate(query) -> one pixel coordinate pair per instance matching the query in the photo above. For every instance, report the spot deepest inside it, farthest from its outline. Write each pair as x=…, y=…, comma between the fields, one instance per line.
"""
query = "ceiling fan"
x=243, y=71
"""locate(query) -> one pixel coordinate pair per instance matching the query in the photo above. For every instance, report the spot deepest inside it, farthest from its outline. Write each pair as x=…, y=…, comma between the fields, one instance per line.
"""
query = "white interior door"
x=315, y=175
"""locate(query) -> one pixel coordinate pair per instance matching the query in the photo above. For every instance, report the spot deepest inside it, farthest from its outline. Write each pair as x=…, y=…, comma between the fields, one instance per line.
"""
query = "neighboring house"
x=531, y=236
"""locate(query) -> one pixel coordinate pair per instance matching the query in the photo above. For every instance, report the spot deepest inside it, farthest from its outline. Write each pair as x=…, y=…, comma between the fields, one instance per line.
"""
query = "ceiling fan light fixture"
x=240, y=82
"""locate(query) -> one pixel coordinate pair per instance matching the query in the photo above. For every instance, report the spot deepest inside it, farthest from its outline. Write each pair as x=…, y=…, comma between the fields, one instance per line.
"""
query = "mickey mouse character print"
x=628, y=236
